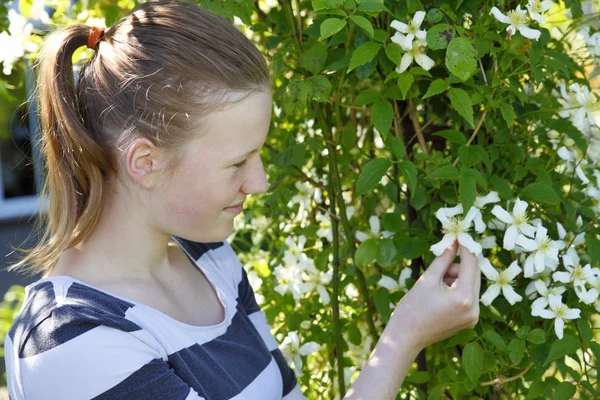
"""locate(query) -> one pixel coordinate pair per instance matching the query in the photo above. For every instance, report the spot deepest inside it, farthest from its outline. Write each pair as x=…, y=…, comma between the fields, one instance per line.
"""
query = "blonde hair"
x=154, y=74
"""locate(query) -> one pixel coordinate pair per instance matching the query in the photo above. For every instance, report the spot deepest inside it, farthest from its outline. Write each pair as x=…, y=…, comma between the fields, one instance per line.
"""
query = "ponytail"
x=75, y=163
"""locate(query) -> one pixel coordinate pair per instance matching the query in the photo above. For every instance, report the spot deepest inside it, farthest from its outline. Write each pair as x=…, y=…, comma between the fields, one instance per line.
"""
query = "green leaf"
x=461, y=58
x=507, y=113
x=366, y=97
x=536, y=336
x=467, y=191
x=418, y=377
x=434, y=15
x=382, y=303
x=436, y=87
x=461, y=337
x=331, y=26
x=363, y=54
x=495, y=339
x=564, y=391
x=396, y=146
x=541, y=193
x=593, y=246
x=325, y=4
x=472, y=360
x=314, y=59
x=371, y=175
x=366, y=253
x=413, y=248
x=364, y=24
x=382, y=115
x=445, y=172
x=567, y=345
x=405, y=81
x=462, y=103
x=387, y=254
x=468, y=156
x=452, y=136
x=409, y=172
x=517, y=350
x=372, y=7
x=393, y=51
x=296, y=95
x=585, y=329
x=502, y=187
x=320, y=87
x=354, y=335
x=438, y=36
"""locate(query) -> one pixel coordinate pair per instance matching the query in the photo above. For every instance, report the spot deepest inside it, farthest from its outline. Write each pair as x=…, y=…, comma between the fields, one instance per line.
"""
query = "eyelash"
x=241, y=164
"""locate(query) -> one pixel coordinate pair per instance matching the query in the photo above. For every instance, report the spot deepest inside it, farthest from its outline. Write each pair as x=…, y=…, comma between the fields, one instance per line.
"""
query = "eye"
x=241, y=164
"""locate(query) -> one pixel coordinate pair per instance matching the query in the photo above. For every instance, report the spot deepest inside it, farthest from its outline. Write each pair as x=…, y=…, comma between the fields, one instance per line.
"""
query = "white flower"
x=411, y=30
x=295, y=248
x=289, y=279
x=375, y=226
x=542, y=302
x=516, y=20
x=324, y=231
x=517, y=222
x=415, y=53
x=256, y=283
x=502, y=282
x=291, y=350
x=454, y=229
x=590, y=296
x=559, y=312
x=536, y=7
x=391, y=284
x=480, y=203
x=15, y=42
x=572, y=161
x=583, y=117
x=318, y=280
x=576, y=273
x=544, y=252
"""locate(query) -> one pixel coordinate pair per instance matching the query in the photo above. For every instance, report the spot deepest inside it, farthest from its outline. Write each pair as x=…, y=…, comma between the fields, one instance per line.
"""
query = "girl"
x=149, y=159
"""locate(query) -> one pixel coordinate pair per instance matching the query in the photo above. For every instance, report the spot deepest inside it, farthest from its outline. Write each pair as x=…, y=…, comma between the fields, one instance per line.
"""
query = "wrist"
x=403, y=323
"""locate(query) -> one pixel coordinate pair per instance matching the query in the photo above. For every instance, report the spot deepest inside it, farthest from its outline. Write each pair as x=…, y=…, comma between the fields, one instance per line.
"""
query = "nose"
x=256, y=179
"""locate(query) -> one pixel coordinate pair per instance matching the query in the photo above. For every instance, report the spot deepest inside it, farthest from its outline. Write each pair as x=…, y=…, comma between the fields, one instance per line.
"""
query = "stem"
x=337, y=331
x=499, y=381
x=417, y=126
x=474, y=133
x=334, y=178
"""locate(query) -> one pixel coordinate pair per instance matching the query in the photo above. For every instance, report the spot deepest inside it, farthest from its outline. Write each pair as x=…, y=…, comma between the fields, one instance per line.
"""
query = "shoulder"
x=67, y=331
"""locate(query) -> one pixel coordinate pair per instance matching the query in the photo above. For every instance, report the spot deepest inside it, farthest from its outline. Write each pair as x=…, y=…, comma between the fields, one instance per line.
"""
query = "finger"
x=453, y=270
x=469, y=269
x=448, y=280
x=477, y=285
x=439, y=266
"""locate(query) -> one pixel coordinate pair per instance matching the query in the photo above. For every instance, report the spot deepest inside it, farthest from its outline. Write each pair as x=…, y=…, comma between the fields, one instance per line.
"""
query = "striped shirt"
x=72, y=341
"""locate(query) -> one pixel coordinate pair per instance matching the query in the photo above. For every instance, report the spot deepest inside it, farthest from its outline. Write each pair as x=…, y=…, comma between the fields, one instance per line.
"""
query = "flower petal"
x=418, y=18
x=510, y=237
x=399, y=26
x=526, y=243
x=546, y=314
x=559, y=324
x=510, y=295
x=308, y=348
x=488, y=269
x=528, y=32
x=539, y=261
x=407, y=59
x=513, y=270
x=388, y=283
x=502, y=214
x=424, y=61
x=499, y=16
x=468, y=242
x=573, y=313
x=490, y=294
x=561, y=276
x=442, y=245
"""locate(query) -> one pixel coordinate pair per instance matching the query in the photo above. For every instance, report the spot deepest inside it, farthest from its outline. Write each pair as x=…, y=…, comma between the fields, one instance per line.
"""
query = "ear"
x=144, y=162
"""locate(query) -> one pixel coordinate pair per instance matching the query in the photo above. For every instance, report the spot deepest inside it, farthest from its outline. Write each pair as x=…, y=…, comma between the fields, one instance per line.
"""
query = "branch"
x=417, y=126
x=499, y=381
x=474, y=133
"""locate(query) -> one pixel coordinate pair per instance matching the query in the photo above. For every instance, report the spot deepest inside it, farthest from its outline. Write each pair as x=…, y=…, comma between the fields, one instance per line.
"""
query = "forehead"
x=239, y=125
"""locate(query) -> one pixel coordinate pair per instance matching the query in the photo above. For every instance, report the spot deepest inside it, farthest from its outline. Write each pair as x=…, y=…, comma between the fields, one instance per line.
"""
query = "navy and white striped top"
x=72, y=341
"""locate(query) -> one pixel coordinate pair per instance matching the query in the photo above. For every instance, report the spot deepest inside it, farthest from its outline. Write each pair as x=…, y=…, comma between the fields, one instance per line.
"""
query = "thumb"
x=440, y=265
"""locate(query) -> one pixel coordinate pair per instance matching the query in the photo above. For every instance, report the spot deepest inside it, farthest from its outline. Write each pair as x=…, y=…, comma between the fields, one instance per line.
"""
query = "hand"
x=443, y=301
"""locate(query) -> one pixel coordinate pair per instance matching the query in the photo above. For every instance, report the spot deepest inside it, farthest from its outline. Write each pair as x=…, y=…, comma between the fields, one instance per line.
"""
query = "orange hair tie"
x=96, y=34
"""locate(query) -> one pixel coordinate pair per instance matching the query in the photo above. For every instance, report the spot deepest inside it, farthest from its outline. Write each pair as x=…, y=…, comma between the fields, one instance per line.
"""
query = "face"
x=218, y=170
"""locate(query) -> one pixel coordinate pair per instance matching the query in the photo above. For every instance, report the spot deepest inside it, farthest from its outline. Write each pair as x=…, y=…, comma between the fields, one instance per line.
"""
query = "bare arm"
x=444, y=301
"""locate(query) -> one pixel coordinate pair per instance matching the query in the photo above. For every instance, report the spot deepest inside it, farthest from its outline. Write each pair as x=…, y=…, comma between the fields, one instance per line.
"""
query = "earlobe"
x=143, y=163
